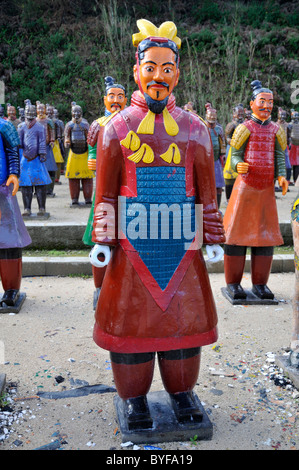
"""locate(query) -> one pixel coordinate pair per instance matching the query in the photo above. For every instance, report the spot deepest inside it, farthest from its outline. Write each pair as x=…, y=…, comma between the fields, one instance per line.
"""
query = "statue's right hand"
x=100, y=250
x=242, y=168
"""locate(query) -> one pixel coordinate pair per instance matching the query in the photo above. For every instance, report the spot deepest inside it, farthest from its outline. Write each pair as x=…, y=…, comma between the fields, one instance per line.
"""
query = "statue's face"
x=262, y=105
x=239, y=114
x=11, y=112
x=115, y=100
x=30, y=112
x=41, y=111
x=158, y=73
x=295, y=116
x=211, y=116
x=50, y=111
x=282, y=115
x=77, y=113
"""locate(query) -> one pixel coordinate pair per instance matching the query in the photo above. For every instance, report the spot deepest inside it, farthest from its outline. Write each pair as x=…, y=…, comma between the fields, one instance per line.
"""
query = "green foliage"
x=202, y=38
x=207, y=11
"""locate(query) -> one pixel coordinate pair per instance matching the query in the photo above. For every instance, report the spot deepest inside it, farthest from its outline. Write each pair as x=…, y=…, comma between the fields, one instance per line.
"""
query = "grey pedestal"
x=165, y=427
x=16, y=308
x=251, y=299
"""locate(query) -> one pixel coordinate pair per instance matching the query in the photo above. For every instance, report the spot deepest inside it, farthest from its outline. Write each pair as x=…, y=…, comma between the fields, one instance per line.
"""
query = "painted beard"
x=154, y=105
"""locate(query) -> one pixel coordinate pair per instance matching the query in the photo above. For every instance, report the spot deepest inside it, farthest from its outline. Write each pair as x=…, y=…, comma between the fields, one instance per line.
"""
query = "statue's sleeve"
x=238, y=145
x=108, y=180
x=205, y=187
x=279, y=152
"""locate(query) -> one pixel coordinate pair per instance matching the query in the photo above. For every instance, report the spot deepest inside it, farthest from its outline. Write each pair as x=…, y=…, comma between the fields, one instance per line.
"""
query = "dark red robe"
x=133, y=313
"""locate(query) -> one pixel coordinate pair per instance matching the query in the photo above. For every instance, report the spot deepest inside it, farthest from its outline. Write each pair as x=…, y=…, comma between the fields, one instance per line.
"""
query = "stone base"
x=80, y=205
x=290, y=371
x=251, y=299
x=32, y=216
x=16, y=308
x=165, y=427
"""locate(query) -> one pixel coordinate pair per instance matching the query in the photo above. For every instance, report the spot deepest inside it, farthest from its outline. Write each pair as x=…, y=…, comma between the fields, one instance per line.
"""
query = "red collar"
x=139, y=101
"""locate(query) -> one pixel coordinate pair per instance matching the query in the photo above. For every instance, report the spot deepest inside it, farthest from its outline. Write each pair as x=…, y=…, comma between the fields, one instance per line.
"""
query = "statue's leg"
x=58, y=173
x=87, y=185
x=41, y=196
x=27, y=192
x=234, y=262
x=74, y=185
x=261, y=262
x=179, y=371
x=11, y=274
x=133, y=374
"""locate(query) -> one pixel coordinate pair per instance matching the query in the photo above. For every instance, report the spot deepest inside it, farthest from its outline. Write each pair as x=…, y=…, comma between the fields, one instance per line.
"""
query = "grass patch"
x=279, y=250
x=58, y=253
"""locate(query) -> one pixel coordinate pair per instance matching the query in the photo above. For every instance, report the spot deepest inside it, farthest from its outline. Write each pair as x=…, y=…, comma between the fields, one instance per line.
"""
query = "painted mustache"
x=153, y=82
x=265, y=109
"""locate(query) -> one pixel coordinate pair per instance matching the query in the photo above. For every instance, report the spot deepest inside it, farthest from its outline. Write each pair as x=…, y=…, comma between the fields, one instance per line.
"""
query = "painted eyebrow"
x=152, y=62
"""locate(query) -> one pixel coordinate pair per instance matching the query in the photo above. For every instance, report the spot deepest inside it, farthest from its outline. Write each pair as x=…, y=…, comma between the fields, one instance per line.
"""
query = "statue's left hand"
x=283, y=183
x=100, y=250
x=214, y=252
x=15, y=181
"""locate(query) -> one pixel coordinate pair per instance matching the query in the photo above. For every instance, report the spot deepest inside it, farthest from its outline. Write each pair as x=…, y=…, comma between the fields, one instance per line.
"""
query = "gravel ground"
x=48, y=347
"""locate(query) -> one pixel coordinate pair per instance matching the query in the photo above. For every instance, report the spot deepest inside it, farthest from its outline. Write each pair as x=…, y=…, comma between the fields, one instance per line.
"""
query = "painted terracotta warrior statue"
x=218, y=141
x=12, y=115
x=13, y=233
x=34, y=174
x=156, y=295
x=114, y=100
x=228, y=174
x=251, y=220
x=75, y=138
x=51, y=166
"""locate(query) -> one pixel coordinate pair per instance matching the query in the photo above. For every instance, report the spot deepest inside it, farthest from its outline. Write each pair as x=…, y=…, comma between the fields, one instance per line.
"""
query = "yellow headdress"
x=147, y=29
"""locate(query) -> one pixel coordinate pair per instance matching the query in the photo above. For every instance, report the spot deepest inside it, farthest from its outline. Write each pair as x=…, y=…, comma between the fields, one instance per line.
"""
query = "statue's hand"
x=98, y=250
x=283, y=183
x=15, y=181
x=242, y=168
x=214, y=252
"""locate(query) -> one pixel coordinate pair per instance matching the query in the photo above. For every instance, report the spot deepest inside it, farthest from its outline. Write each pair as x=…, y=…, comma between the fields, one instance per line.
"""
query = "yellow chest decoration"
x=144, y=152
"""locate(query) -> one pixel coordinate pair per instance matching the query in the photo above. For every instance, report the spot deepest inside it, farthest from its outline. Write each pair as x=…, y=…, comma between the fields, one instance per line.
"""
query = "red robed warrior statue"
x=156, y=295
x=251, y=219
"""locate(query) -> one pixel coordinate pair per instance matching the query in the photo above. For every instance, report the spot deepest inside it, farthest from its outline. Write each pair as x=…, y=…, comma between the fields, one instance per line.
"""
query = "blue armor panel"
x=160, y=221
x=3, y=163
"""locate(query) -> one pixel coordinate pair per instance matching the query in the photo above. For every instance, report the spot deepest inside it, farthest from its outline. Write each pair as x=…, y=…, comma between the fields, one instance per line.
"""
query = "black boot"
x=236, y=291
x=137, y=413
x=27, y=199
x=41, y=195
x=262, y=291
x=10, y=298
x=185, y=407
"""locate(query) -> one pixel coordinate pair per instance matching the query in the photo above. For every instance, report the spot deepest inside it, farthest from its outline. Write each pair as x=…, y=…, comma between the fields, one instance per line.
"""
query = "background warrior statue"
x=13, y=233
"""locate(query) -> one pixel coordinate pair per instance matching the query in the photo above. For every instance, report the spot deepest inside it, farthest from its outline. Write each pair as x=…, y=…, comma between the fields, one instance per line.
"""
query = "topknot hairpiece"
x=167, y=30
